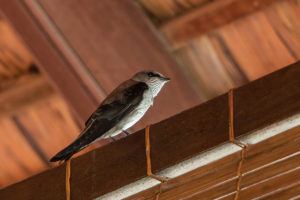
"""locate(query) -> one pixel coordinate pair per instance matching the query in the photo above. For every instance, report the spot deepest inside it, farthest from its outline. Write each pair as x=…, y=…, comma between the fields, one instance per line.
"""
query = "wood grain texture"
x=27, y=91
x=255, y=45
x=32, y=136
x=54, y=125
x=16, y=165
x=208, y=17
x=284, y=18
x=276, y=158
x=165, y=10
x=179, y=132
x=198, y=181
x=49, y=59
x=181, y=137
x=115, y=45
x=15, y=60
x=242, y=50
x=278, y=90
x=213, y=70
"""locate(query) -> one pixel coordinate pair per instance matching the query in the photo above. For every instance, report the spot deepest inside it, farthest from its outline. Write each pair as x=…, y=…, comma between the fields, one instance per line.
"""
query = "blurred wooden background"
x=59, y=59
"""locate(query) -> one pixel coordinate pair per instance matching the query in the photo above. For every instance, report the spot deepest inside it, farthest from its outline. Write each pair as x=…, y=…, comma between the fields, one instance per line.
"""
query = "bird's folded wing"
x=109, y=114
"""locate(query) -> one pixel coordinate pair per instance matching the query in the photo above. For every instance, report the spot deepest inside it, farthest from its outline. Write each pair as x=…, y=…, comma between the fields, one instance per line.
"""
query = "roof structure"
x=193, y=149
x=59, y=59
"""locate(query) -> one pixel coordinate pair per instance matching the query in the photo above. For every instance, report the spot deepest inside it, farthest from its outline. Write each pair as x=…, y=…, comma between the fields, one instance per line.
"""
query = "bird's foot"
x=126, y=132
x=113, y=139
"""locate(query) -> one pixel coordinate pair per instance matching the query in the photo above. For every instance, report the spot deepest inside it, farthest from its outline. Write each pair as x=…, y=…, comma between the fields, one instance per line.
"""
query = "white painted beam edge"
x=203, y=158
x=131, y=189
x=200, y=160
x=272, y=130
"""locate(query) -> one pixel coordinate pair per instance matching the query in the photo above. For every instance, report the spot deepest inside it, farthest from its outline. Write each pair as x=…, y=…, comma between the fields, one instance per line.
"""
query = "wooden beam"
x=25, y=92
x=208, y=17
x=49, y=59
x=85, y=66
x=172, y=141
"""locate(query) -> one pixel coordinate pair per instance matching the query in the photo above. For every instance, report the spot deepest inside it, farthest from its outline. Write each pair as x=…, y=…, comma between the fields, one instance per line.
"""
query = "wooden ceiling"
x=34, y=121
x=193, y=149
x=40, y=112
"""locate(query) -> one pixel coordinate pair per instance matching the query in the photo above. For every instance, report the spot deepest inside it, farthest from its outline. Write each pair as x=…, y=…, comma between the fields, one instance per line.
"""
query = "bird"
x=120, y=110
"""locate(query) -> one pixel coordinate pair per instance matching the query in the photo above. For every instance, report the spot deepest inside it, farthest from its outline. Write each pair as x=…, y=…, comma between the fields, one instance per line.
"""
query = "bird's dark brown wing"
x=113, y=109
x=119, y=94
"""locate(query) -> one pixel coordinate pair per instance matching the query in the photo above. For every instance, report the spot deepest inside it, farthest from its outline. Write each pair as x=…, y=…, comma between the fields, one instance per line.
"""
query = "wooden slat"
x=272, y=150
x=255, y=45
x=168, y=9
x=264, y=161
x=289, y=192
x=45, y=128
x=268, y=99
x=16, y=165
x=208, y=17
x=243, y=50
x=284, y=18
x=192, y=132
x=208, y=66
x=14, y=58
x=25, y=92
x=271, y=185
x=202, y=180
x=54, y=126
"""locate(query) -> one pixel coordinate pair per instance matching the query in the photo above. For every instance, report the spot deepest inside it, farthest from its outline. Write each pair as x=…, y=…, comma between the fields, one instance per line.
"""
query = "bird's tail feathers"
x=66, y=153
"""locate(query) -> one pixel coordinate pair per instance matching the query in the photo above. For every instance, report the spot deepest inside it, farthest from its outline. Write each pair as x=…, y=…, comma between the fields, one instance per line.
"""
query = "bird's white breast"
x=139, y=112
x=134, y=116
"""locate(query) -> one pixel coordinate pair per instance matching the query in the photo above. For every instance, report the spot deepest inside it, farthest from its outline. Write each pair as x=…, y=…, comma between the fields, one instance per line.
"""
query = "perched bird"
x=120, y=110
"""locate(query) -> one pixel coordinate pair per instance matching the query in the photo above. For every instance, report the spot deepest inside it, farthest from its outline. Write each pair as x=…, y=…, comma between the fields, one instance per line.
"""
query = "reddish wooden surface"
x=217, y=13
x=114, y=45
x=48, y=58
x=189, y=133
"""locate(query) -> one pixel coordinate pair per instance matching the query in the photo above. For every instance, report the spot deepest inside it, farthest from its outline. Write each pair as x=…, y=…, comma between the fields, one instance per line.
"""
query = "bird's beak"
x=165, y=79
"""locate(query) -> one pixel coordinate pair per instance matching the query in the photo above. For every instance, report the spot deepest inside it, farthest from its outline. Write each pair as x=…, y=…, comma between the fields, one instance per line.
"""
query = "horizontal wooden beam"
x=259, y=104
x=26, y=91
x=208, y=17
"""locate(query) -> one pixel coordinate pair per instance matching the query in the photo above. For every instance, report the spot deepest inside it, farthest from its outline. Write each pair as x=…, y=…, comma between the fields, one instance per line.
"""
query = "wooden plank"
x=284, y=18
x=279, y=91
x=255, y=45
x=272, y=150
x=115, y=49
x=26, y=92
x=263, y=161
x=165, y=10
x=180, y=137
x=199, y=181
x=50, y=126
x=290, y=192
x=271, y=185
x=208, y=17
x=207, y=67
x=49, y=59
x=16, y=165
x=14, y=58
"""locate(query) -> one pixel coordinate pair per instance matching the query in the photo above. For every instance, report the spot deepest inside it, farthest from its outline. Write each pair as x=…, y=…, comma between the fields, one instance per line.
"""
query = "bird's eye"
x=151, y=74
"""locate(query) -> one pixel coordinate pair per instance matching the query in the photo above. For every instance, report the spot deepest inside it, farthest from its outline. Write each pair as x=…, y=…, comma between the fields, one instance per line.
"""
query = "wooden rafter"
x=85, y=67
x=208, y=17
x=24, y=93
x=257, y=105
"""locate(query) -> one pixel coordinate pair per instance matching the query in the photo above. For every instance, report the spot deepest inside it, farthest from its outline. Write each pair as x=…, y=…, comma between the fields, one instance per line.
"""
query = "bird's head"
x=154, y=80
